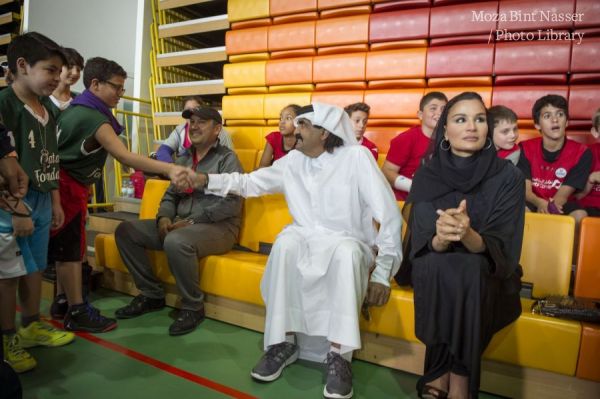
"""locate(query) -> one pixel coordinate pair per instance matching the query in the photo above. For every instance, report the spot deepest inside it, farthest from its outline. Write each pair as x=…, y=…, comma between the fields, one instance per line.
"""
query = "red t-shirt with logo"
x=504, y=153
x=406, y=151
x=547, y=177
x=592, y=200
x=276, y=141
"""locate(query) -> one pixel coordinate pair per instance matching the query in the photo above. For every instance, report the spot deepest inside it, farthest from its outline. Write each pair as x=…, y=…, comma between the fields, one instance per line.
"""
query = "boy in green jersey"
x=35, y=63
x=88, y=132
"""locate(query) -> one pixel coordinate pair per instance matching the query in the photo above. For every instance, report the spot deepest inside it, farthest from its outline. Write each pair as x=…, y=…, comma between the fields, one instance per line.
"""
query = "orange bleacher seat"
x=246, y=41
x=584, y=61
x=289, y=71
x=584, y=100
x=590, y=10
x=300, y=35
x=534, y=8
x=581, y=136
x=588, y=366
x=399, y=25
x=343, y=70
x=293, y=18
x=286, y=7
x=484, y=92
x=533, y=62
x=339, y=98
x=521, y=99
x=254, y=23
x=396, y=64
x=393, y=107
x=587, y=277
x=456, y=24
x=527, y=134
x=469, y=60
x=381, y=136
x=342, y=31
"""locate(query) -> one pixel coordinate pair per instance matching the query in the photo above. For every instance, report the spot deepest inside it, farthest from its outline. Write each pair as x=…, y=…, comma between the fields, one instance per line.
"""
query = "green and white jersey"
x=76, y=125
x=35, y=141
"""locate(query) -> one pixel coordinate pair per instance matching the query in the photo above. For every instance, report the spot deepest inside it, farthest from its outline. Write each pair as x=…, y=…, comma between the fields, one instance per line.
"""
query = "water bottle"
x=130, y=189
x=125, y=187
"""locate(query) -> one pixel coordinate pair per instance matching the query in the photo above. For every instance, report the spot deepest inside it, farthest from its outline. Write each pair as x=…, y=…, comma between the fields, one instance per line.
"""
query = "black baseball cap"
x=205, y=113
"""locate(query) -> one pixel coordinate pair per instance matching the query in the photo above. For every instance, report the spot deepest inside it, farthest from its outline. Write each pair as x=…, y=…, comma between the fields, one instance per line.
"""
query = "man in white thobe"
x=317, y=274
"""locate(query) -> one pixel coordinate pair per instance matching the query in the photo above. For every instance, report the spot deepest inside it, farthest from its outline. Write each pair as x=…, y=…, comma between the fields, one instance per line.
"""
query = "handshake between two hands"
x=185, y=178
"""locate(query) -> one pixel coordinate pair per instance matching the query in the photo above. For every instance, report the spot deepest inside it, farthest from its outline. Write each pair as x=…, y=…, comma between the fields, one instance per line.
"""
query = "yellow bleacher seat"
x=241, y=10
x=547, y=253
x=247, y=107
x=154, y=189
x=532, y=341
x=247, y=157
x=245, y=74
x=274, y=103
x=247, y=136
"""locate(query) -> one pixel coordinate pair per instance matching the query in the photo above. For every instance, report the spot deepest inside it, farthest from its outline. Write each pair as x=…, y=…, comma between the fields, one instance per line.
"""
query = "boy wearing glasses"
x=87, y=133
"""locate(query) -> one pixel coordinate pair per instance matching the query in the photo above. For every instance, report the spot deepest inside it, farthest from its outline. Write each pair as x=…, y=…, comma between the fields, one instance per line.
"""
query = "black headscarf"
x=440, y=174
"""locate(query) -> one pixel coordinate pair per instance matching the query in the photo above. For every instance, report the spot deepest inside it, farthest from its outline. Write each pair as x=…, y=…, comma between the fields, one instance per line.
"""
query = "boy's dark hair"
x=357, y=107
x=502, y=113
x=551, y=99
x=596, y=120
x=295, y=107
x=73, y=57
x=332, y=141
x=33, y=47
x=101, y=69
x=434, y=95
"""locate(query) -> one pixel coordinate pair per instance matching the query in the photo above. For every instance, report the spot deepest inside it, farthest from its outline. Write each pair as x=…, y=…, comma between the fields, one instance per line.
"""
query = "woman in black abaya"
x=466, y=228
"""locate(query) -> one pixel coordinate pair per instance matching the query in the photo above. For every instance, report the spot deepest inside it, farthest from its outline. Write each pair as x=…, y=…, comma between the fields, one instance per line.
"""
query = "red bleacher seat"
x=584, y=100
x=399, y=25
x=381, y=136
x=590, y=12
x=384, y=5
x=458, y=26
x=585, y=64
x=534, y=62
x=462, y=60
x=521, y=99
x=531, y=15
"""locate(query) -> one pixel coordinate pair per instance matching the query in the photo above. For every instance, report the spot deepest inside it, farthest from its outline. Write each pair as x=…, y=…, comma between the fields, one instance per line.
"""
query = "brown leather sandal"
x=430, y=392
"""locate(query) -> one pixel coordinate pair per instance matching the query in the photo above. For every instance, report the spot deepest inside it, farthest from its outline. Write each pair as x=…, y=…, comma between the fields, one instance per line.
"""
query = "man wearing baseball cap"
x=319, y=270
x=189, y=226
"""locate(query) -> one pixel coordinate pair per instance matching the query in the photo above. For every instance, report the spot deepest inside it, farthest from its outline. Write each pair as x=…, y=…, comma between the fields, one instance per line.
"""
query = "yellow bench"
x=533, y=341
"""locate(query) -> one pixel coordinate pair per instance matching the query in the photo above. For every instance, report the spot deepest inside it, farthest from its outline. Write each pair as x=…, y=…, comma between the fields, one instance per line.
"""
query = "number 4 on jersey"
x=31, y=139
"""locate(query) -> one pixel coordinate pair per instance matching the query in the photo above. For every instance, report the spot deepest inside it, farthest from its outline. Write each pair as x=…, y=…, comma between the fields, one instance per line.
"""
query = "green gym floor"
x=140, y=360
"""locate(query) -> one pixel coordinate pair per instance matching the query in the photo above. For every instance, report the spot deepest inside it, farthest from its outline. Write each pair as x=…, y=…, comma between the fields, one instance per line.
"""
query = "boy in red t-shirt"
x=555, y=167
x=589, y=198
x=407, y=149
x=359, y=115
x=505, y=133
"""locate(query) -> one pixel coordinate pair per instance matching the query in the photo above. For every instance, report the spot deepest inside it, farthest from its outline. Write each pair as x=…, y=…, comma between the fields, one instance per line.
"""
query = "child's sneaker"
x=38, y=333
x=14, y=354
x=59, y=307
x=86, y=318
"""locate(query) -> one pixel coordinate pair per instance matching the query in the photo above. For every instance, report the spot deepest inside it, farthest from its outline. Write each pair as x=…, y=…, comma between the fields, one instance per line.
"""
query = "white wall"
x=107, y=28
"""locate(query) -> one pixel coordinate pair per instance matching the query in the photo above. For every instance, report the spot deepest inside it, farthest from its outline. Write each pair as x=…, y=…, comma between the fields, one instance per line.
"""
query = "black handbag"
x=568, y=307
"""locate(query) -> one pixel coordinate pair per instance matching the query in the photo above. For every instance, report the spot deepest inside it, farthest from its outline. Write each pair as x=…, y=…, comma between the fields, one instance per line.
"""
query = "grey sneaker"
x=339, y=377
x=273, y=362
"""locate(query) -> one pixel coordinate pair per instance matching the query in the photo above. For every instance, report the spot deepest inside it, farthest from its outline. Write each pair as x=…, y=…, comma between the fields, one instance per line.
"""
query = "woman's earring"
x=489, y=144
x=444, y=148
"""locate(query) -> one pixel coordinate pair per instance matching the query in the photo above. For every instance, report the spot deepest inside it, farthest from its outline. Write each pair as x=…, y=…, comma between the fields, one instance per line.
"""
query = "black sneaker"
x=138, y=306
x=272, y=363
x=59, y=307
x=186, y=321
x=339, y=377
x=86, y=318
